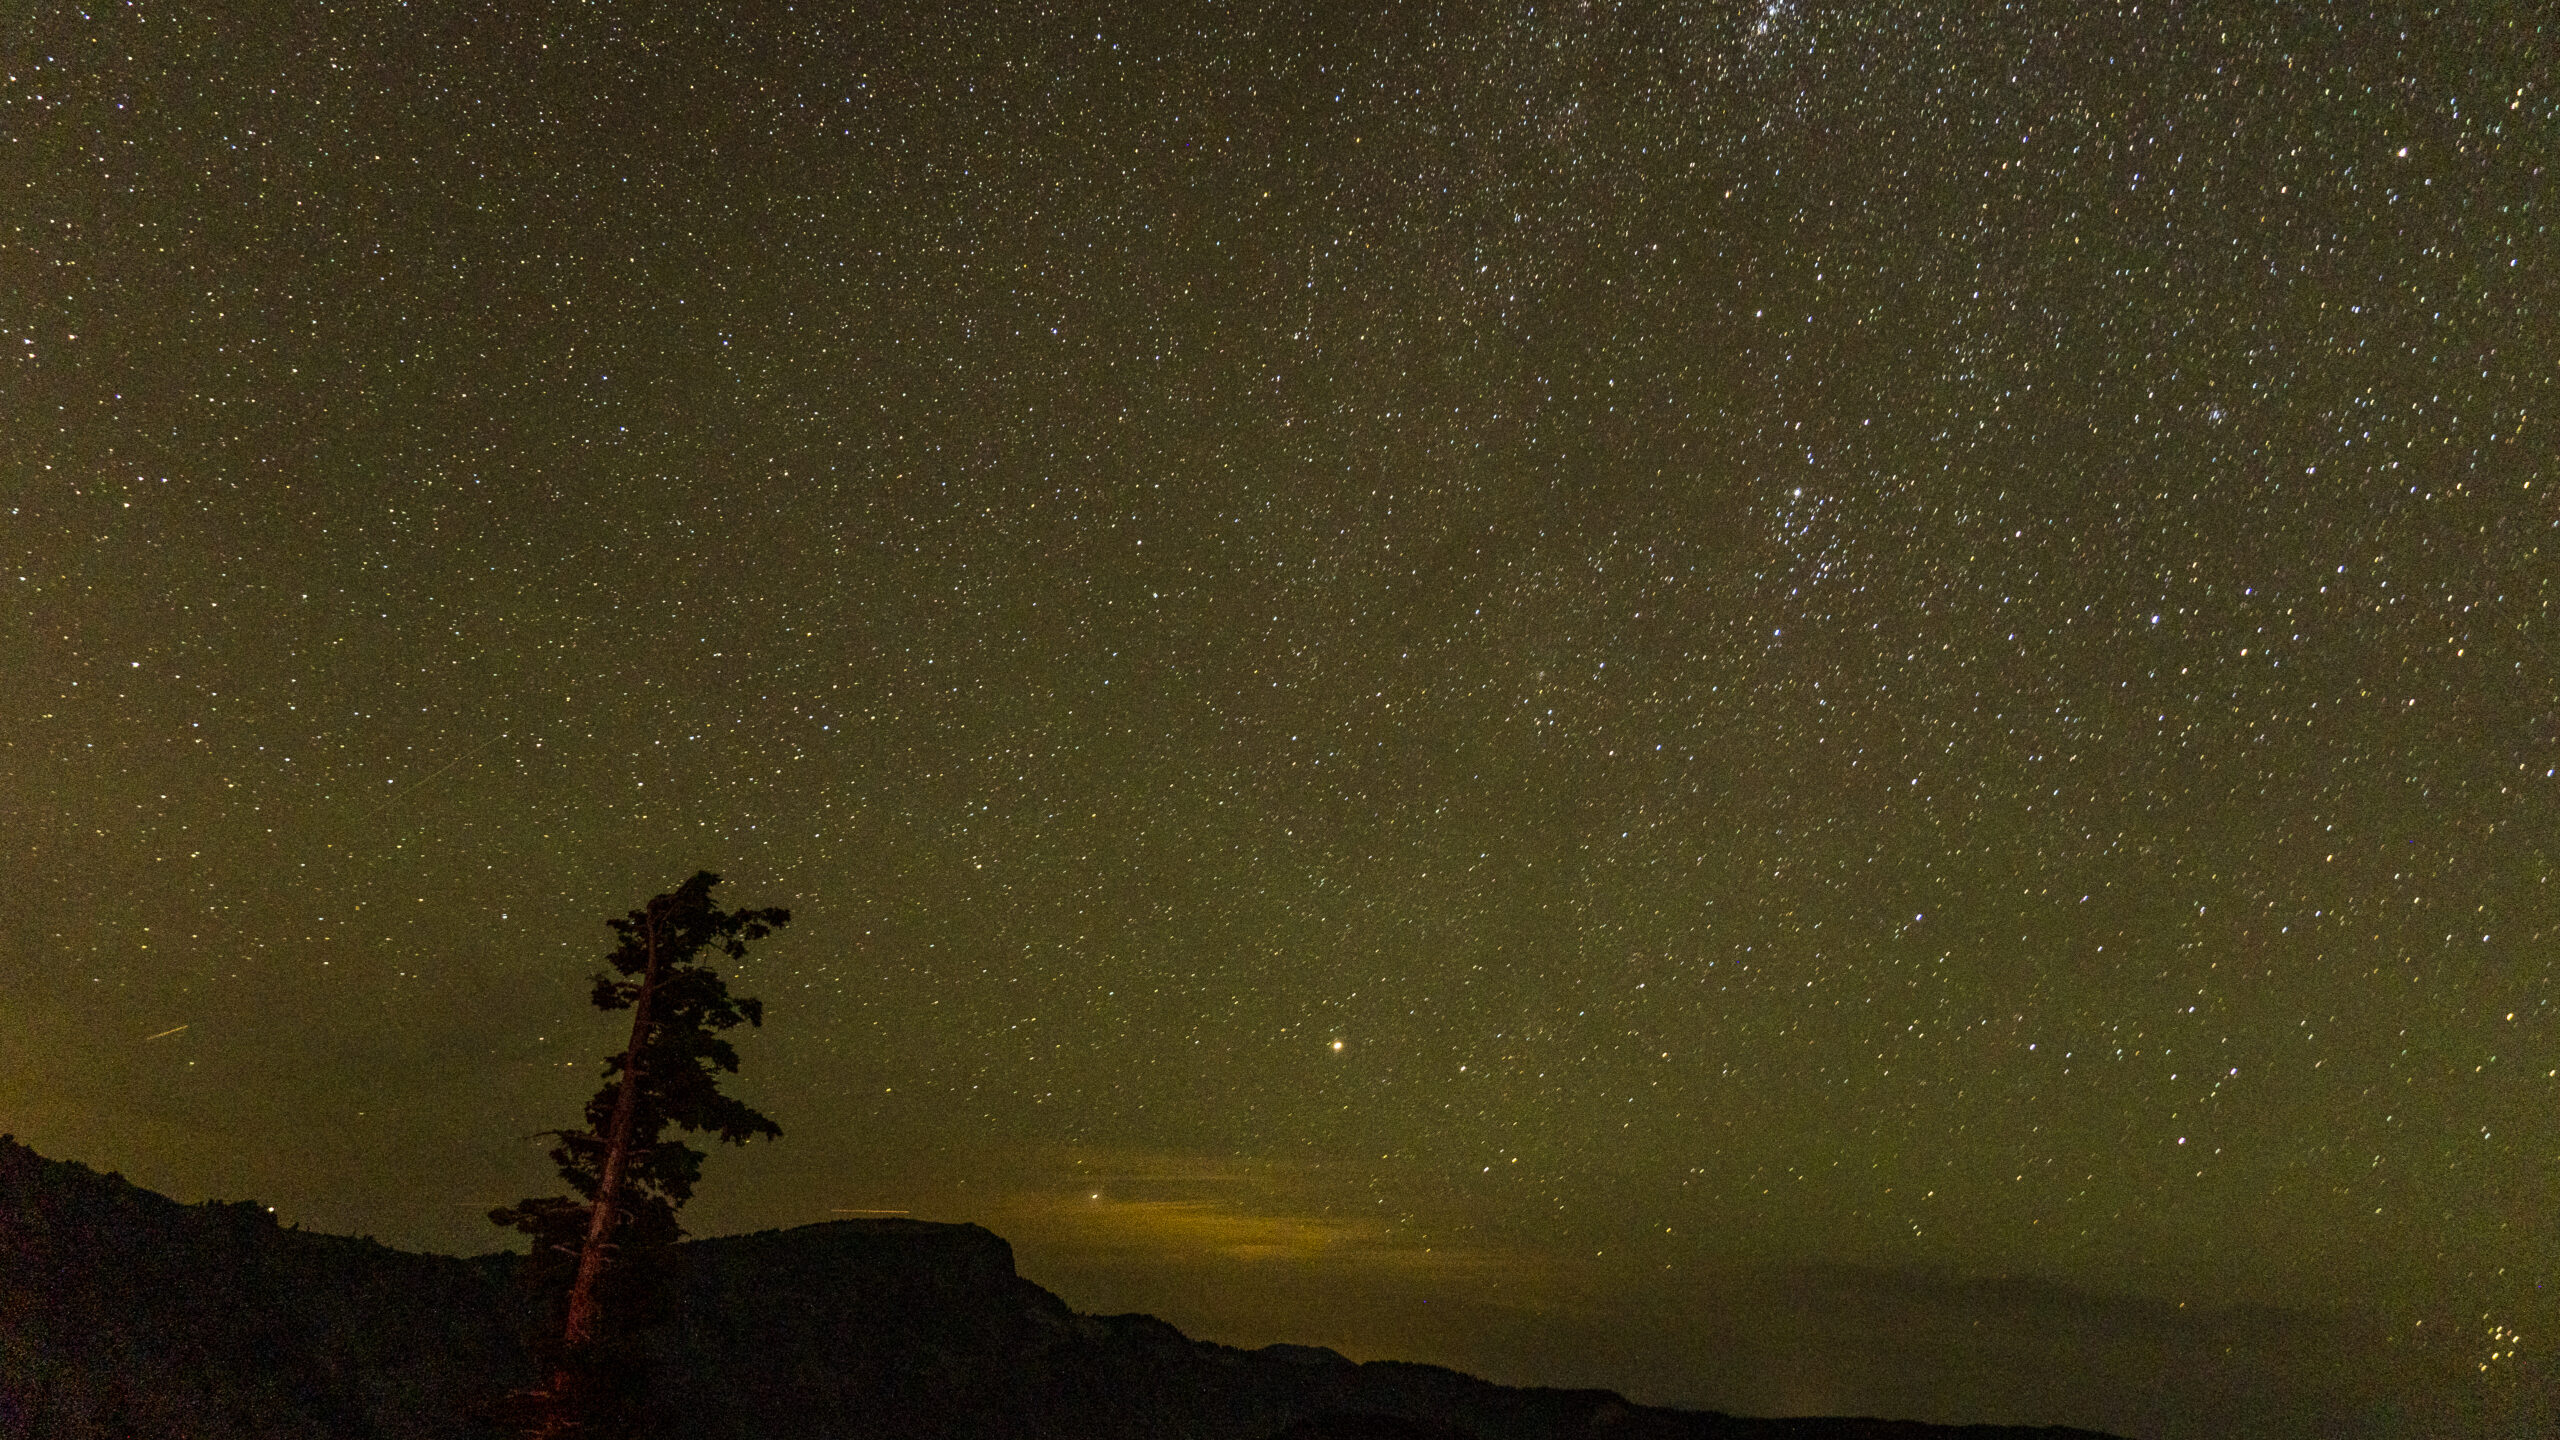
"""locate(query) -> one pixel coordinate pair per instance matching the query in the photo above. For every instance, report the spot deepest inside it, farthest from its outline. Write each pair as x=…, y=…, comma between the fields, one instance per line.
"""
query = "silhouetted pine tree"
x=604, y=1253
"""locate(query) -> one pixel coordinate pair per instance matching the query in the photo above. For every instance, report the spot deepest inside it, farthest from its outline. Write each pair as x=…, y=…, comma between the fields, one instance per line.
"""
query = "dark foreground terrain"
x=124, y=1313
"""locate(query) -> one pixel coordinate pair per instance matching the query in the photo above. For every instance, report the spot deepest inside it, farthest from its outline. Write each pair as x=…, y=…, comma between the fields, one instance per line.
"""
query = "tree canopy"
x=602, y=1252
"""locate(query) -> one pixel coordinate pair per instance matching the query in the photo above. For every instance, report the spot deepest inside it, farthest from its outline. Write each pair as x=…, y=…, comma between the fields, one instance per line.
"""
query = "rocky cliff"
x=124, y=1313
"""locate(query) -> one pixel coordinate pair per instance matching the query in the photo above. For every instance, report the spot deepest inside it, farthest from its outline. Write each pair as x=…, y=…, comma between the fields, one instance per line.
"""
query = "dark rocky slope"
x=123, y=1313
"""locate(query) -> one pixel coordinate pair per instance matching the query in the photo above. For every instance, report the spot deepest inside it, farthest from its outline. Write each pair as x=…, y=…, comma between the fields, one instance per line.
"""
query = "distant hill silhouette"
x=124, y=1313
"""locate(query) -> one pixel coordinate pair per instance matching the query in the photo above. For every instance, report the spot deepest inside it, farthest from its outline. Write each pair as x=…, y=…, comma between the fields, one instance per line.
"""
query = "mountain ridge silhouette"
x=124, y=1312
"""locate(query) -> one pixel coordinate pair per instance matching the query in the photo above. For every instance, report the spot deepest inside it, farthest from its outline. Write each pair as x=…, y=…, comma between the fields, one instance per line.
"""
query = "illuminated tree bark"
x=607, y=1209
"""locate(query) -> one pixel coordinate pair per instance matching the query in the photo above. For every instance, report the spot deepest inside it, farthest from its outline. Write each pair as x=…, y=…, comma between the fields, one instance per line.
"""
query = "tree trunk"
x=607, y=1211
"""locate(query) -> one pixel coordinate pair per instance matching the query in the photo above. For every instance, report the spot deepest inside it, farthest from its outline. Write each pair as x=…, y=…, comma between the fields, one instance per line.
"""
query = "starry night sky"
x=1802, y=707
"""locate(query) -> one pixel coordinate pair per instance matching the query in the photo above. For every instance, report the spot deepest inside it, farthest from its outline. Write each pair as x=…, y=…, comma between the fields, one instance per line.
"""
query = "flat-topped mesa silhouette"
x=124, y=1312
